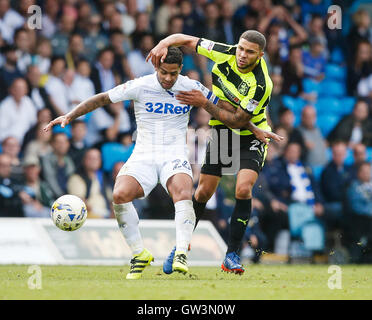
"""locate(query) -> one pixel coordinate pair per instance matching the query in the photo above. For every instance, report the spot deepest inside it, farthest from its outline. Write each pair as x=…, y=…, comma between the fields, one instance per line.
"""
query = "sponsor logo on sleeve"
x=207, y=44
x=252, y=104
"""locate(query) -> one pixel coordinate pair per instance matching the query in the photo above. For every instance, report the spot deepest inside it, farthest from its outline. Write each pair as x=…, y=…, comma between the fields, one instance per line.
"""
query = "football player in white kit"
x=160, y=154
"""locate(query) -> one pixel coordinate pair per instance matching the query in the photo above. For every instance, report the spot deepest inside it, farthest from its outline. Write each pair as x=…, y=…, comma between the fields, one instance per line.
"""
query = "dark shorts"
x=227, y=153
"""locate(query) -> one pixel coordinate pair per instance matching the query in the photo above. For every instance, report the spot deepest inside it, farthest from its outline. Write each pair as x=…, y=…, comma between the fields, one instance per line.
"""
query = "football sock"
x=128, y=221
x=185, y=222
x=238, y=224
x=199, y=208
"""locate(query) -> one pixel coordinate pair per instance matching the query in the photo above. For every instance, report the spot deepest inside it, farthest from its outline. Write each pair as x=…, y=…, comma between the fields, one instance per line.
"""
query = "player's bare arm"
x=159, y=52
x=84, y=107
x=235, y=118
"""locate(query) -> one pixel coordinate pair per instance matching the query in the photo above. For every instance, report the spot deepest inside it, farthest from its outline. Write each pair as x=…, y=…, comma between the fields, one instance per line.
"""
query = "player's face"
x=247, y=53
x=167, y=74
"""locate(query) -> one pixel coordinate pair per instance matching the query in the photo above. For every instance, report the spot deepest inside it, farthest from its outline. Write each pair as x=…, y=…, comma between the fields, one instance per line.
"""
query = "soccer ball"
x=69, y=212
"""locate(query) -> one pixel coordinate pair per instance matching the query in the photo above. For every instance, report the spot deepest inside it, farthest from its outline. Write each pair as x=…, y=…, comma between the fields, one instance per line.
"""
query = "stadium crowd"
x=321, y=104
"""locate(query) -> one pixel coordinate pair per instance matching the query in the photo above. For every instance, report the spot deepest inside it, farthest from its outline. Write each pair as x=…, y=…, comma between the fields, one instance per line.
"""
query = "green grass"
x=258, y=282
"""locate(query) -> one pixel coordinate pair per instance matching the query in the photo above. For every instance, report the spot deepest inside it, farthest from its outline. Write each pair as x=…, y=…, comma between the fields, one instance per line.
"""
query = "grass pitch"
x=204, y=283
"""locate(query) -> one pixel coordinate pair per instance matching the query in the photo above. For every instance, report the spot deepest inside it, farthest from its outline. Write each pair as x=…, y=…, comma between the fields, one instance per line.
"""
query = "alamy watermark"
x=35, y=280
x=334, y=20
x=335, y=280
x=34, y=21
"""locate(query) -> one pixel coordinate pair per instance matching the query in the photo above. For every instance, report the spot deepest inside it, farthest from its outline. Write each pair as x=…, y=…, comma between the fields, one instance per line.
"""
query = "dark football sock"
x=199, y=208
x=238, y=224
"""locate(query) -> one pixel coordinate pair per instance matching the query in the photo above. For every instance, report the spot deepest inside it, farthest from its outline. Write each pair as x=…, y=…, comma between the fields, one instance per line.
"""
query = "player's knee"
x=182, y=194
x=244, y=191
x=203, y=193
x=120, y=195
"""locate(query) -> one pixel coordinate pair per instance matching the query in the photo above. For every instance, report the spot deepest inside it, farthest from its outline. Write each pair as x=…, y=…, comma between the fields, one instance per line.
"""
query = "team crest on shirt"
x=243, y=88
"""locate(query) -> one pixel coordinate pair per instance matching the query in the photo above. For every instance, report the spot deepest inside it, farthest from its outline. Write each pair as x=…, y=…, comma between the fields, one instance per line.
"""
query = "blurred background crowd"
x=315, y=190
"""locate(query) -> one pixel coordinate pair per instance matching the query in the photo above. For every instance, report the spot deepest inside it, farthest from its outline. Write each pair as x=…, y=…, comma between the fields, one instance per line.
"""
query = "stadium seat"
x=293, y=103
x=337, y=56
x=317, y=171
x=327, y=122
x=335, y=72
x=113, y=152
x=299, y=214
x=328, y=105
x=347, y=104
x=311, y=86
x=313, y=236
x=369, y=153
x=332, y=88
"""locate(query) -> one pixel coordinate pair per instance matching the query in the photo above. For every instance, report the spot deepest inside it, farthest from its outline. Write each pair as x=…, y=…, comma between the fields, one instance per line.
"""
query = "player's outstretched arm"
x=235, y=118
x=159, y=52
x=84, y=107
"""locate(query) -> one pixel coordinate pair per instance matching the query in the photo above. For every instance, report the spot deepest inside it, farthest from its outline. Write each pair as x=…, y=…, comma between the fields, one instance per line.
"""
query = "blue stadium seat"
x=335, y=72
x=337, y=56
x=311, y=86
x=328, y=105
x=317, y=171
x=293, y=103
x=313, y=236
x=369, y=153
x=299, y=214
x=347, y=104
x=332, y=88
x=113, y=152
x=327, y=122
x=66, y=130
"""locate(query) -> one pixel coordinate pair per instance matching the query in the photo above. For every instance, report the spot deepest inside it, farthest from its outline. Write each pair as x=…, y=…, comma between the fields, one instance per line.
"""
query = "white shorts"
x=150, y=173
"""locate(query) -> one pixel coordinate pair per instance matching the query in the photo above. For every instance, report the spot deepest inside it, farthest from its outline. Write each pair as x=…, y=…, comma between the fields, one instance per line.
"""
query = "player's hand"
x=62, y=120
x=265, y=136
x=194, y=98
x=157, y=54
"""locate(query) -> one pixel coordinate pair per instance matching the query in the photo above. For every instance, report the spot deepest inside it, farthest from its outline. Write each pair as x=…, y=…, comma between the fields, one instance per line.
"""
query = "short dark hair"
x=174, y=55
x=255, y=37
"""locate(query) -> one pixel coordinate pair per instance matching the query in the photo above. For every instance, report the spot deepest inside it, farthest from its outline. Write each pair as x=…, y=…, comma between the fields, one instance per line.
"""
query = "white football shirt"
x=161, y=119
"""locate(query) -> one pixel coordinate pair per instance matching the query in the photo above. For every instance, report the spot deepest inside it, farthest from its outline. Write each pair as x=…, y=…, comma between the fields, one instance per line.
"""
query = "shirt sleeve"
x=196, y=85
x=217, y=52
x=125, y=91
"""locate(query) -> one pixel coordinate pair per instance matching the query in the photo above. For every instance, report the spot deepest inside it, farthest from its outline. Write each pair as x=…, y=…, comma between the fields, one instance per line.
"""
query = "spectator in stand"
x=37, y=197
x=43, y=116
x=315, y=60
x=43, y=55
x=75, y=50
x=280, y=22
x=316, y=148
x=360, y=156
x=354, y=128
x=40, y=145
x=293, y=74
x=359, y=66
x=57, y=166
x=9, y=71
x=81, y=87
x=227, y=24
x=12, y=148
x=121, y=64
x=36, y=92
x=23, y=44
x=359, y=198
x=211, y=28
x=334, y=180
x=190, y=19
x=137, y=57
x=17, y=112
x=142, y=27
x=78, y=145
x=10, y=200
x=50, y=18
x=87, y=183
x=276, y=98
x=286, y=121
x=360, y=31
x=10, y=20
x=103, y=74
x=316, y=31
x=167, y=9
x=55, y=86
x=60, y=38
x=272, y=56
x=94, y=39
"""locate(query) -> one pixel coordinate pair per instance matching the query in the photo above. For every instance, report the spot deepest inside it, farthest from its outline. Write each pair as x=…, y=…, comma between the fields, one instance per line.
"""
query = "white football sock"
x=128, y=221
x=185, y=222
